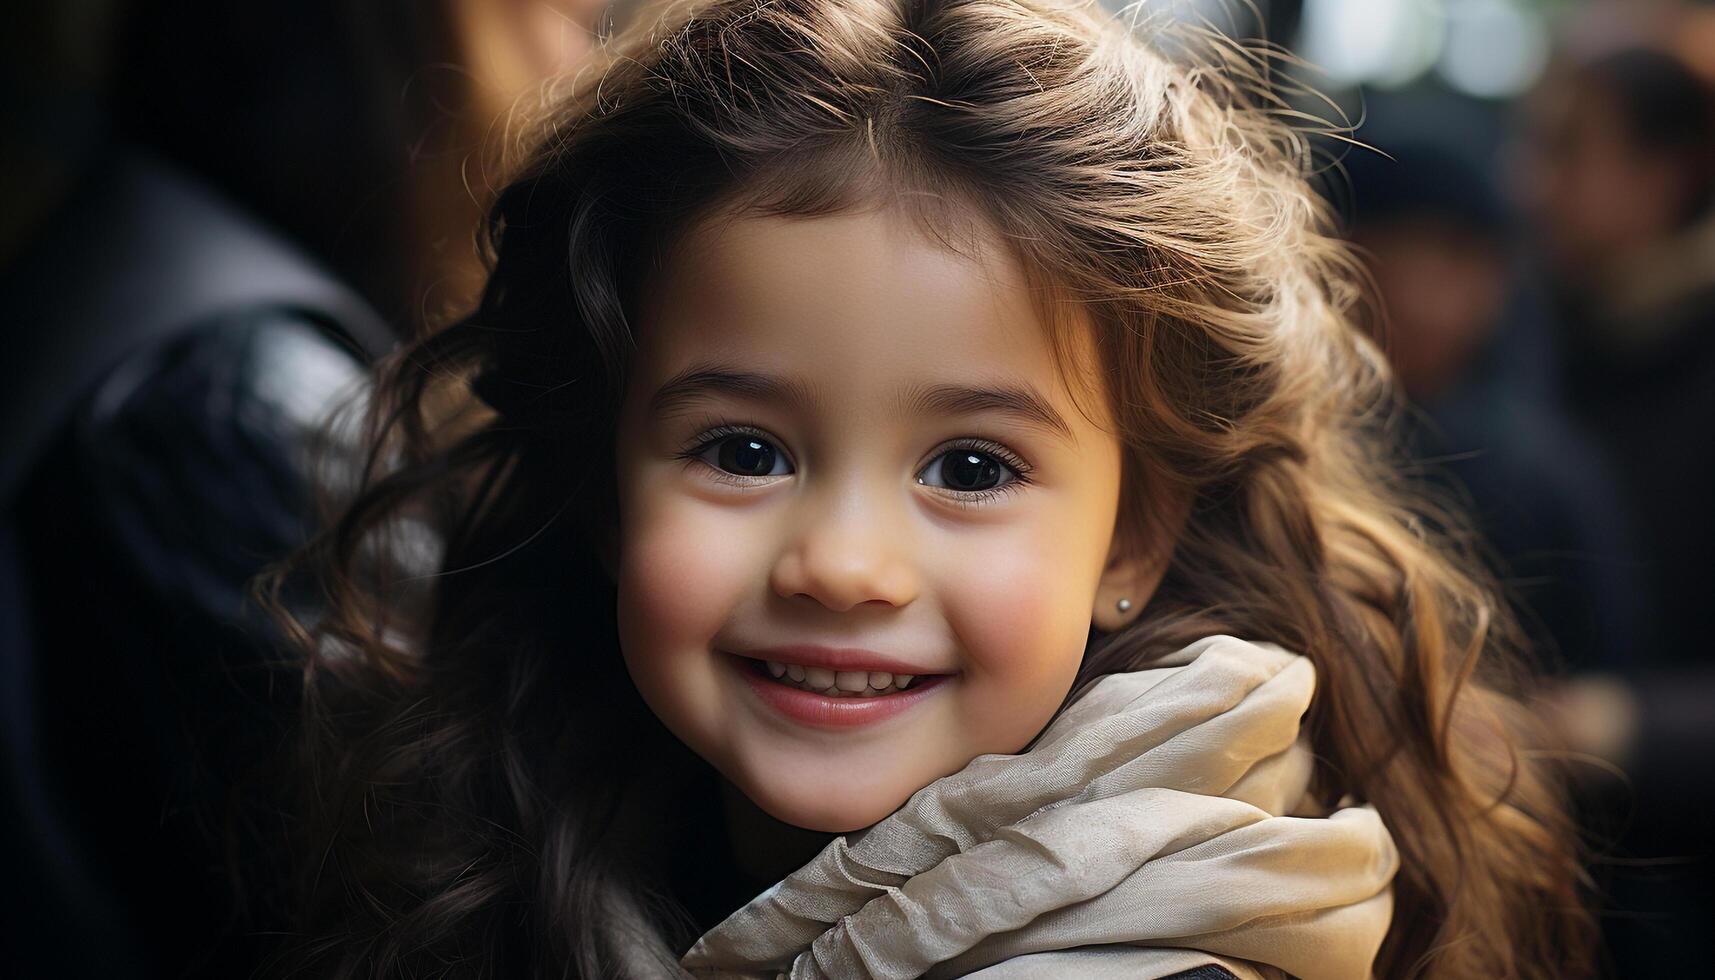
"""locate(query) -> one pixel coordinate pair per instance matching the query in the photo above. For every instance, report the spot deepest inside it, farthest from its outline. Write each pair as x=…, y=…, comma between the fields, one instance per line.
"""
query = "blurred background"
x=213, y=214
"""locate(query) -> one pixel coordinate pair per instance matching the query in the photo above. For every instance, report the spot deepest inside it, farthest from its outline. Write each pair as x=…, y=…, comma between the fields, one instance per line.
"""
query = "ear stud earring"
x=1124, y=605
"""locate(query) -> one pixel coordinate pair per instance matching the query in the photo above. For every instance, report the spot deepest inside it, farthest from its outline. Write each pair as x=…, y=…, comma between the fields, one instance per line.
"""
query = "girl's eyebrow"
x=1019, y=401
x=703, y=381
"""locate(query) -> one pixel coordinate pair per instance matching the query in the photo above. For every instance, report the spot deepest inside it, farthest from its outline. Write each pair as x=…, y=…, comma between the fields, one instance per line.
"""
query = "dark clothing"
x=1652, y=407
x=1641, y=376
x=174, y=485
x=156, y=438
x=1549, y=511
x=1505, y=447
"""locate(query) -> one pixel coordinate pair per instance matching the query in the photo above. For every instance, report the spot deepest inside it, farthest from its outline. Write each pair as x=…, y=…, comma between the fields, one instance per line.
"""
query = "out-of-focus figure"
x=1466, y=341
x=1622, y=190
x=243, y=202
x=1620, y=180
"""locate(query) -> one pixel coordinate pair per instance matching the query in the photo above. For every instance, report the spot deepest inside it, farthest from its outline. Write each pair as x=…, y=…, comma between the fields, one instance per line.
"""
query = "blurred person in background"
x=1622, y=189
x=220, y=210
x=1620, y=180
x=1468, y=338
x=1463, y=336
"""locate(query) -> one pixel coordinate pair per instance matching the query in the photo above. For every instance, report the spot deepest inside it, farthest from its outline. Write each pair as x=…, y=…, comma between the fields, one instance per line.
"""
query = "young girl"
x=911, y=461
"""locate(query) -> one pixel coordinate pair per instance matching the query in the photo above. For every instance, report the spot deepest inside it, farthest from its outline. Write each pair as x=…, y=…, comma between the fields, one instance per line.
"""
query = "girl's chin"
x=828, y=811
x=811, y=794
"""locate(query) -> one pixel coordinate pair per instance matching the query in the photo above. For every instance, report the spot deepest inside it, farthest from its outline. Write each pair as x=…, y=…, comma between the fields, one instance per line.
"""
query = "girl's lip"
x=821, y=711
x=837, y=659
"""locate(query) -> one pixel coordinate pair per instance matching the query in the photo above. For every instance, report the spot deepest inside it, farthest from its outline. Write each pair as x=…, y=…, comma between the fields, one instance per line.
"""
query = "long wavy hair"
x=470, y=757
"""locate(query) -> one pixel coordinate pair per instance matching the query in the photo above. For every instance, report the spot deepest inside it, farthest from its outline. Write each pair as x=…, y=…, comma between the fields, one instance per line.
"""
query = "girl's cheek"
x=684, y=567
x=1022, y=609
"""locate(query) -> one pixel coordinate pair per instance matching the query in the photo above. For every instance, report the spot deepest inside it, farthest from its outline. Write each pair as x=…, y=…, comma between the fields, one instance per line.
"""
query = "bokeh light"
x=1482, y=48
x=1495, y=48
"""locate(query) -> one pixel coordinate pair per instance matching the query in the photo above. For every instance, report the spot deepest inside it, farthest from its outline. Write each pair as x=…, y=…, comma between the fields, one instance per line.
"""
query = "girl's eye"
x=974, y=472
x=745, y=455
x=967, y=471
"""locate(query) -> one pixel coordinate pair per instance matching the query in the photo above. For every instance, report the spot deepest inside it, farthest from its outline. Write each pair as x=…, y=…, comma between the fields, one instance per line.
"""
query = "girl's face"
x=850, y=451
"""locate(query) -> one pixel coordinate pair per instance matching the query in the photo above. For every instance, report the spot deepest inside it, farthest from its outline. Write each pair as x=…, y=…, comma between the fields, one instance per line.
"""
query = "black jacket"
x=170, y=361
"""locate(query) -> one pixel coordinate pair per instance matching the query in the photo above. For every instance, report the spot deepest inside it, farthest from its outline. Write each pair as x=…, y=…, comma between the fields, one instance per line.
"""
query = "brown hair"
x=463, y=749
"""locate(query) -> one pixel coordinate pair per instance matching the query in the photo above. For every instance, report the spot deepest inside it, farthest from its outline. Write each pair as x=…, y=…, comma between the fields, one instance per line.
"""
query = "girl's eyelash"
x=714, y=432
x=711, y=434
x=1016, y=462
x=978, y=498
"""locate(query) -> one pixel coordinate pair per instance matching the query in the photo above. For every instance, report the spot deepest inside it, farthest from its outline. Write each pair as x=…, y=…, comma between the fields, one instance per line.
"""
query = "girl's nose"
x=842, y=557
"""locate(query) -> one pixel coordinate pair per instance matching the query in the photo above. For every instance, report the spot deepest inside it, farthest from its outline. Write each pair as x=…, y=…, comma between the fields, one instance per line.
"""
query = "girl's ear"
x=1135, y=566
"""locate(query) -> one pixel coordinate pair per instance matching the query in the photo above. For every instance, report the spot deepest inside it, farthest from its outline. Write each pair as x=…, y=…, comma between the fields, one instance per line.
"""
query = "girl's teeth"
x=851, y=683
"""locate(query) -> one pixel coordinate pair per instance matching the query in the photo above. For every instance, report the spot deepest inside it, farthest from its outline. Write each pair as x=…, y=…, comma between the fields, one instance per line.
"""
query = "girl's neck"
x=764, y=849
x=712, y=859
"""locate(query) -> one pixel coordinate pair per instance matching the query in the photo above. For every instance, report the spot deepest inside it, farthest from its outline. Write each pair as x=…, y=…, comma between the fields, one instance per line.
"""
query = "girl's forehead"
x=858, y=304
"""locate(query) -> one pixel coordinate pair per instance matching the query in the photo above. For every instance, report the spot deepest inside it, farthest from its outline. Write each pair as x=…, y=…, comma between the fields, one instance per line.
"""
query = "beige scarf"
x=1165, y=810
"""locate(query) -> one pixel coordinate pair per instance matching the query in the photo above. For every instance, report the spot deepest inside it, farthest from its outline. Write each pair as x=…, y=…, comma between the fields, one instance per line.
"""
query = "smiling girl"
x=911, y=461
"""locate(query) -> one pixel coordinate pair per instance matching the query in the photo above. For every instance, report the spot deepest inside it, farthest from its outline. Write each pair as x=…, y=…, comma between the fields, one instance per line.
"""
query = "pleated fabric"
x=1165, y=811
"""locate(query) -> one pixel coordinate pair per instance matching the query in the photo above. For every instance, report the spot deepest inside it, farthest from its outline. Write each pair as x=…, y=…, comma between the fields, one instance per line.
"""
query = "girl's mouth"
x=837, y=684
x=827, y=699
